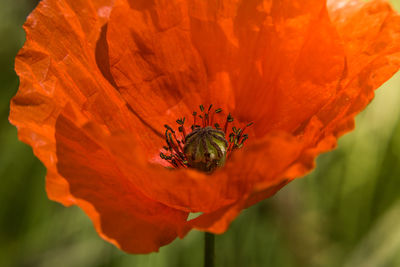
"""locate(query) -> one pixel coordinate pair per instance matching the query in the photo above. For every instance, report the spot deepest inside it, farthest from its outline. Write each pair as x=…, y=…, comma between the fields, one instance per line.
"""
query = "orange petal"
x=370, y=32
x=260, y=168
x=120, y=212
x=53, y=42
x=58, y=66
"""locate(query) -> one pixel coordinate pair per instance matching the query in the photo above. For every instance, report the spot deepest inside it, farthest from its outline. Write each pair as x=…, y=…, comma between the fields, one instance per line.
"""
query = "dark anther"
x=170, y=138
x=169, y=128
x=245, y=137
x=231, y=137
x=229, y=118
x=181, y=121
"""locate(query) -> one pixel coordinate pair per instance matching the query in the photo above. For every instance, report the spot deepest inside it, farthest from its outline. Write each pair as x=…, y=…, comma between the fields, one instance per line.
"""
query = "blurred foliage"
x=345, y=213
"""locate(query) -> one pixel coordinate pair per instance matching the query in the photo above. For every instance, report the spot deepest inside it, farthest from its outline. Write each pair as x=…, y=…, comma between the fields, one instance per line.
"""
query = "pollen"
x=207, y=146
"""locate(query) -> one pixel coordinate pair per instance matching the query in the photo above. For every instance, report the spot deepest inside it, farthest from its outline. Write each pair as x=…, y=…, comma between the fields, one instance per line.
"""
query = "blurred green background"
x=345, y=213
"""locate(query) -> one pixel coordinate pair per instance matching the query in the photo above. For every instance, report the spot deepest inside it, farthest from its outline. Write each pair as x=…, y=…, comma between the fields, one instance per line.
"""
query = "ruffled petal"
x=252, y=174
x=54, y=45
x=120, y=212
x=370, y=32
x=58, y=66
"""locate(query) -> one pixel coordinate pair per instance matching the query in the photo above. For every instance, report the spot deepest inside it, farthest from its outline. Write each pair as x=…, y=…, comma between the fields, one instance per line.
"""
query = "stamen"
x=183, y=131
x=194, y=119
x=206, y=147
x=228, y=120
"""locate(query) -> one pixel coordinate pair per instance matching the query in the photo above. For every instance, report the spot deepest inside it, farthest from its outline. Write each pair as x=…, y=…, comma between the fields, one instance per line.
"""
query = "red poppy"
x=100, y=78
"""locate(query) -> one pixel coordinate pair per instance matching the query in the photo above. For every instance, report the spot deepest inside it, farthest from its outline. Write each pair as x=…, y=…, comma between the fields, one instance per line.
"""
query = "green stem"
x=209, y=250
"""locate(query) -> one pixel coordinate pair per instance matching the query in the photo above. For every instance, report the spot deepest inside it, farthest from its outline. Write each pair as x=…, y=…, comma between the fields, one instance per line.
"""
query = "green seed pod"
x=205, y=149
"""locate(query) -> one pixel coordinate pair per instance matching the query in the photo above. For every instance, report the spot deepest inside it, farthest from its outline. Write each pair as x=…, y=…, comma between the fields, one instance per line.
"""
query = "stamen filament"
x=206, y=147
x=194, y=117
x=228, y=120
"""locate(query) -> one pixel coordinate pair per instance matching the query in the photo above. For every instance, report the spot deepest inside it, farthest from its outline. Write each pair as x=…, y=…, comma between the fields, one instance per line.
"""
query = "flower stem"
x=209, y=251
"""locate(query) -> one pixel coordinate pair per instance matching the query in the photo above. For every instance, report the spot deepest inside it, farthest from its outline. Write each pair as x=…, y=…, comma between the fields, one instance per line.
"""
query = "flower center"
x=207, y=146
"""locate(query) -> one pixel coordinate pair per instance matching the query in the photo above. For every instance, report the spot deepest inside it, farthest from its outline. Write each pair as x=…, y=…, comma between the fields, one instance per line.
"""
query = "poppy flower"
x=99, y=79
